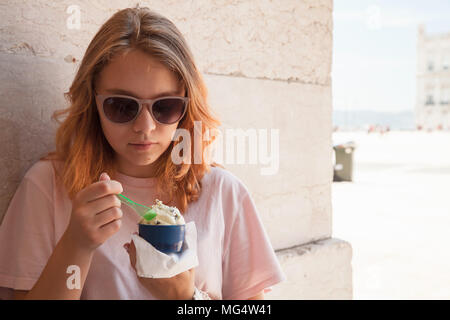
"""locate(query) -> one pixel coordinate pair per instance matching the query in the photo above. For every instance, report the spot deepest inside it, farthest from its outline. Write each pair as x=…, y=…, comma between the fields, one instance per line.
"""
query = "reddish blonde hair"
x=80, y=143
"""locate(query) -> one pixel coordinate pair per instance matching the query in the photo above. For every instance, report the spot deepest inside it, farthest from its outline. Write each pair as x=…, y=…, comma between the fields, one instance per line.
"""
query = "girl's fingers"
x=107, y=216
x=110, y=228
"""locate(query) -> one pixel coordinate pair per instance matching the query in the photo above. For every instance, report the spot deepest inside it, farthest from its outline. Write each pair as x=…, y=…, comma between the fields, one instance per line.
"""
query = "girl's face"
x=139, y=75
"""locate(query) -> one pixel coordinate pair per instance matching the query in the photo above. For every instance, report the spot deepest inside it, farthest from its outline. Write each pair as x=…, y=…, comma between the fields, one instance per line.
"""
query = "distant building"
x=433, y=81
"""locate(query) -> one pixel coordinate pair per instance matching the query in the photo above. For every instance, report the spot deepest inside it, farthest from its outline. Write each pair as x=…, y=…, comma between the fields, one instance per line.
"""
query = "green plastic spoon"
x=144, y=211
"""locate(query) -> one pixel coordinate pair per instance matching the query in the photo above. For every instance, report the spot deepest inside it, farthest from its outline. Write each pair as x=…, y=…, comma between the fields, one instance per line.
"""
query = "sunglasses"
x=123, y=109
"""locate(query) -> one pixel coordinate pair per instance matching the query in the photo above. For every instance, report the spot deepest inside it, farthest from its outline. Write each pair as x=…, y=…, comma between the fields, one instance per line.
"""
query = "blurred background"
x=391, y=137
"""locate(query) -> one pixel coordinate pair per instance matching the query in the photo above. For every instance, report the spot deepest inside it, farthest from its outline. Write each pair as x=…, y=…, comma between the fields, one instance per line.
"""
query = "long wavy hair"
x=80, y=143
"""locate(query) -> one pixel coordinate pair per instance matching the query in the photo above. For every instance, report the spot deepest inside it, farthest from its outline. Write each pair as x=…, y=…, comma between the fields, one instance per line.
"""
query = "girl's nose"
x=144, y=122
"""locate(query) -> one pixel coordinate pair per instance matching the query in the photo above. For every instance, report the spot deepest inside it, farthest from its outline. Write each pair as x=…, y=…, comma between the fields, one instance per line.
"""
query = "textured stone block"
x=316, y=271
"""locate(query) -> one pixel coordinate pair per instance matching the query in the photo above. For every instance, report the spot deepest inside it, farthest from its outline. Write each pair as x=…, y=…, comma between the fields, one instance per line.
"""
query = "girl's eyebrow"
x=132, y=94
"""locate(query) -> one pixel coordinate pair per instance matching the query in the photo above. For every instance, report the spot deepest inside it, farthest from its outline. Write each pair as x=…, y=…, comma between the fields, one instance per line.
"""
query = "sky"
x=374, y=51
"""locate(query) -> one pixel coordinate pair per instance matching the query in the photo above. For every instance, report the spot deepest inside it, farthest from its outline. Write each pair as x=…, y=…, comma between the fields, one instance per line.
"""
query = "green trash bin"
x=343, y=167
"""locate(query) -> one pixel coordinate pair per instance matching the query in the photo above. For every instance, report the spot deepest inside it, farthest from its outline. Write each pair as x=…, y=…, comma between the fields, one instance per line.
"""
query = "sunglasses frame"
x=150, y=102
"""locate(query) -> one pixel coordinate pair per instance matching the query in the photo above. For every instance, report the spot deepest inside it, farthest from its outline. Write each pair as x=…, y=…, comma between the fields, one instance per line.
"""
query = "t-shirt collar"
x=135, y=182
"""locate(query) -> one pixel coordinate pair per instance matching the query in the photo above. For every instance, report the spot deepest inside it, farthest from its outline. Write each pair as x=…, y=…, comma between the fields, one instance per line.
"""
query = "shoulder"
x=42, y=174
x=41, y=171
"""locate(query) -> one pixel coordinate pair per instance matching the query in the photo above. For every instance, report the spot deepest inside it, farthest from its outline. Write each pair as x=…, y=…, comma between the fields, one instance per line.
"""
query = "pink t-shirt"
x=236, y=259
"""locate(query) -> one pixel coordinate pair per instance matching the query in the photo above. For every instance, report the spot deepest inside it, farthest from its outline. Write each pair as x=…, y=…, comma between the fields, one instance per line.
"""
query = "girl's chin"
x=141, y=159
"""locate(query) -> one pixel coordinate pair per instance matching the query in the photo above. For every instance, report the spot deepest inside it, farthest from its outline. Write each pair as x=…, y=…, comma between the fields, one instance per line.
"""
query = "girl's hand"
x=96, y=214
x=179, y=287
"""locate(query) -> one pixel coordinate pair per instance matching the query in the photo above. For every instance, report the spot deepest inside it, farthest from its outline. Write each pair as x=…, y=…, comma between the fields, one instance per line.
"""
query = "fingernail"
x=104, y=176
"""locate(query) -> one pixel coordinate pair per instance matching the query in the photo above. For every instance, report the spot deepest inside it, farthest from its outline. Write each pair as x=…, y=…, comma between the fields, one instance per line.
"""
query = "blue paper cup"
x=165, y=238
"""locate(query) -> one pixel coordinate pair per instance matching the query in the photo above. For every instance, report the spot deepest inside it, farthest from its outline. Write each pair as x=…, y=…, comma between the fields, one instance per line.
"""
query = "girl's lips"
x=142, y=146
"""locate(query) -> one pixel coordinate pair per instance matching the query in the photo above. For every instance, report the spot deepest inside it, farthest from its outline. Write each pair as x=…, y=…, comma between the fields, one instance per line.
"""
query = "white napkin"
x=152, y=263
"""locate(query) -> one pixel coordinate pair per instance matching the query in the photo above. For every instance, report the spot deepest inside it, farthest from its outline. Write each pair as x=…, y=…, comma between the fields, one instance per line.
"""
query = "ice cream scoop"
x=165, y=215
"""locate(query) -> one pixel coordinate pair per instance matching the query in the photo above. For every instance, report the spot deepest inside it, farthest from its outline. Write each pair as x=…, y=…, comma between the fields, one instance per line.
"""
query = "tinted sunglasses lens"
x=168, y=110
x=120, y=110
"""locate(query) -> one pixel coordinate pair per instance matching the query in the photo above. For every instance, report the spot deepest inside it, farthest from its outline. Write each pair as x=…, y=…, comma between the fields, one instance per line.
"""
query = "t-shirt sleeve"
x=26, y=236
x=249, y=262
